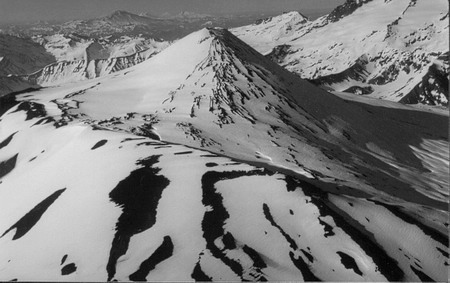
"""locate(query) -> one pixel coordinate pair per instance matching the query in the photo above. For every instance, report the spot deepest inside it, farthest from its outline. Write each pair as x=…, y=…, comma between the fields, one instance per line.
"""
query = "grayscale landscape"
x=195, y=140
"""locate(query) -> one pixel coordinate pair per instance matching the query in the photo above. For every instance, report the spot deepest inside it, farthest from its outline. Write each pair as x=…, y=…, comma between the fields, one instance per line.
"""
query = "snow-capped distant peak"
x=347, y=8
x=273, y=29
x=121, y=13
x=293, y=17
x=121, y=16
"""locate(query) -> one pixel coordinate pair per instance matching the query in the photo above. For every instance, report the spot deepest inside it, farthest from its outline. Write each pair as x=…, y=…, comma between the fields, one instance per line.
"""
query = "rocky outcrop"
x=345, y=9
x=434, y=87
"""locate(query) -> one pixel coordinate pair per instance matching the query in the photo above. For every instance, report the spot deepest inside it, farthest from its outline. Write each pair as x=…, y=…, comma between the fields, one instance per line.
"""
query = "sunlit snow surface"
x=209, y=162
x=383, y=49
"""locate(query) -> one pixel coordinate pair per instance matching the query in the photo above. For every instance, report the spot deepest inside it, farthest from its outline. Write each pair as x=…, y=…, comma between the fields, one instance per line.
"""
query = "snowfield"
x=210, y=162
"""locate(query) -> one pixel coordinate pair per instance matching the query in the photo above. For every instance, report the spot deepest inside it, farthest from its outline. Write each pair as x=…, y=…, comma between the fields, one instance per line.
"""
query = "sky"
x=34, y=10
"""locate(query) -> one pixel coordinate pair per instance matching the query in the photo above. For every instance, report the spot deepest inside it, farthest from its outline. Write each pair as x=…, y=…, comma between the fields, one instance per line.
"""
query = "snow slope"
x=384, y=49
x=210, y=162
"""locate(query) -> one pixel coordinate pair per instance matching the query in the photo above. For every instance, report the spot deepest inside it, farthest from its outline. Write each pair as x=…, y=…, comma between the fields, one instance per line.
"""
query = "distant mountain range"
x=161, y=27
x=57, y=59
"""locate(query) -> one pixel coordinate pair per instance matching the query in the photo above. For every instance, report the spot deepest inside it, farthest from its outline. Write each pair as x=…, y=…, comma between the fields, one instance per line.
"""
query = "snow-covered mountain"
x=120, y=22
x=266, y=34
x=121, y=17
x=49, y=53
x=72, y=58
x=394, y=50
x=210, y=162
x=185, y=15
x=77, y=70
x=73, y=47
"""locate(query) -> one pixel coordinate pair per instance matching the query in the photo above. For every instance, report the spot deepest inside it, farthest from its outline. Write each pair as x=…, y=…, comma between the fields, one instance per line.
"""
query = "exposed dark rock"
x=269, y=217
x=163, y=252
x=68, y=269
x=357, y=72
x=146, y=130
x=64, y=259
x=388, y=75
x=298, y=261
x=99, y=144
x=279, y=52
x=258, y=262
x=183, y=152
x=345, y=9
x=214, y=220
x=32, y=217
x=423, y=277
x=199, y=275
x=308, y=255
x=359, y=90
x=304, y=268
x=349, y=262
x=7, y=140
x=8, y=165
x=432, y=90
x=45, y=120
x=327, y=227
x=8, y=101
x=444, y=253
x=138, y=196
x=32, y=109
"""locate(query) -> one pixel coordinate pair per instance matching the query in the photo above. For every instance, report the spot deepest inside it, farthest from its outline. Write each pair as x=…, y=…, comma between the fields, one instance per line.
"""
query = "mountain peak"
x=221, y=34
x=124, y=16
x=120, y=13
x=345, y=9
x=227, y=40
x=274, y=29
x=295, y=14
x=293, y=17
